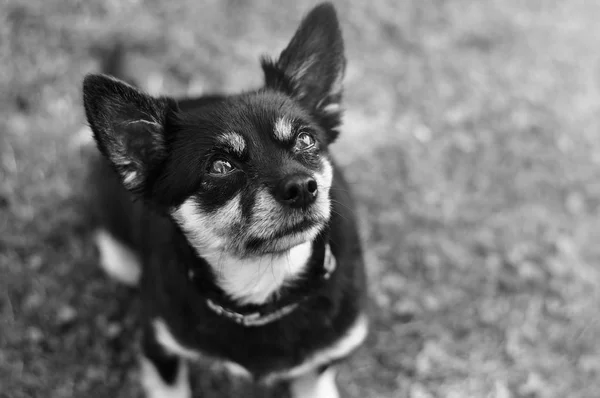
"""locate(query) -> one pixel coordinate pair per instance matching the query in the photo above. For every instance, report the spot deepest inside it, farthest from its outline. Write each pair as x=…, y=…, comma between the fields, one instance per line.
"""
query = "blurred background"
x=470, y=139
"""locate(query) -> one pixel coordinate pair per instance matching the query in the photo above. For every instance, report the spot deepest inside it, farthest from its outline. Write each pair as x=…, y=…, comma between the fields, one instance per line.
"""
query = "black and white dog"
x=243, y=238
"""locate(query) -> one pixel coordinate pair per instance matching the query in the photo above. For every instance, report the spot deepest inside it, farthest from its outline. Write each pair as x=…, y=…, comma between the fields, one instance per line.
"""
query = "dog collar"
x=259, y=318
x=253, y=319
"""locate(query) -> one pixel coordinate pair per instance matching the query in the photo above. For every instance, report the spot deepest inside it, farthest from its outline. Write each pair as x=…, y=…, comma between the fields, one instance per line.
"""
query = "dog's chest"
x=254, y=280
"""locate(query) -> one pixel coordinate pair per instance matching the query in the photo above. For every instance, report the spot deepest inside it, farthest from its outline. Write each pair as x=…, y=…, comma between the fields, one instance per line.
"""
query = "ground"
x=471, y=143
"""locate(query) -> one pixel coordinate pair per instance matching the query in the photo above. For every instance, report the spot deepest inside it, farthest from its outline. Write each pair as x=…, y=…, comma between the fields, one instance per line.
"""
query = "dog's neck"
x=256, y=279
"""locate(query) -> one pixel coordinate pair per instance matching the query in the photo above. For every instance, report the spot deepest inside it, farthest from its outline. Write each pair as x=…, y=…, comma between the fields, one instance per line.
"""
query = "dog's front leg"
x=315, y=384
x=163, y=375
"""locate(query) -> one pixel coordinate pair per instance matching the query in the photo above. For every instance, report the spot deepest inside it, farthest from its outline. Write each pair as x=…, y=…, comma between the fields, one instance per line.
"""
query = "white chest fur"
x=253, y=280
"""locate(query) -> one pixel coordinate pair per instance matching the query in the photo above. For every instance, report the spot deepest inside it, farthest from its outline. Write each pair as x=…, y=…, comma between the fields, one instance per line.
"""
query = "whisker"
x=353, y=183
x=337, y=213
x=340, y=190
x=350, y=209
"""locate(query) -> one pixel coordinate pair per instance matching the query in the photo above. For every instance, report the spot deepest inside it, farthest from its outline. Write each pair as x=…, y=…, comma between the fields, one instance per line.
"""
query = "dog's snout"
x=297, y=191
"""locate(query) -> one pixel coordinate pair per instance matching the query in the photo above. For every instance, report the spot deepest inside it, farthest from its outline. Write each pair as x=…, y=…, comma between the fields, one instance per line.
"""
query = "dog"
x=233, y=219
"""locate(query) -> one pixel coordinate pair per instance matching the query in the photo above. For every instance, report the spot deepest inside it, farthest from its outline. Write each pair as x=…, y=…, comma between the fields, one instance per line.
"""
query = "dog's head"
x=246, y=174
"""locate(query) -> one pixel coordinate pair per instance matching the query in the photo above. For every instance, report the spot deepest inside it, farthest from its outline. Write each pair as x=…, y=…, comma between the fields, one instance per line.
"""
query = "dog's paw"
x=155, y=387
x=314, y=385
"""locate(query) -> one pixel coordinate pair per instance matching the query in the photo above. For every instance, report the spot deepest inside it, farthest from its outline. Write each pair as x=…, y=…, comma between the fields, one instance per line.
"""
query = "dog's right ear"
x=129, y=127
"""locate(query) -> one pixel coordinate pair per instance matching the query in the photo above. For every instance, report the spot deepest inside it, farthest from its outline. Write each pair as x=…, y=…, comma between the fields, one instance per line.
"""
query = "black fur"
x=169, y=153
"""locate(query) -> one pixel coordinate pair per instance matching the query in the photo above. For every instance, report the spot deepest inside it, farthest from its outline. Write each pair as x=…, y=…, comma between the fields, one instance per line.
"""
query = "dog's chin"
x=284, y=240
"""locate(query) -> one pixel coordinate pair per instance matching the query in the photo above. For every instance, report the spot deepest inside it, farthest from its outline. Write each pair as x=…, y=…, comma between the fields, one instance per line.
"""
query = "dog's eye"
x=220, y=167
x=304, y=141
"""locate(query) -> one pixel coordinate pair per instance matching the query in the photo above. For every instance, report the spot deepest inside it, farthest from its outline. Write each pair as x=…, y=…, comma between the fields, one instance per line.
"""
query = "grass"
x=471, y=142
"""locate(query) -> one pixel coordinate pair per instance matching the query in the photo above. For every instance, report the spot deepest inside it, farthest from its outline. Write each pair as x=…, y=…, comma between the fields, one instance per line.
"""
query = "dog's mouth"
x=296, y=228
x=283, y=239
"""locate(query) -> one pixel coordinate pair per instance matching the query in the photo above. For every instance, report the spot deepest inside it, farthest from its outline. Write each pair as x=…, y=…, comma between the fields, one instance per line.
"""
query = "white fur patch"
x=341, y=348
x=313, y=385
x=129, y=178
x=209, y=232
x=247, y=279
x=117, y=260
x=154, y=386
x=167, y=341
x=324, y=180
x=253, y=280
x=234, y=141
x=283, y=129
x=237, y=370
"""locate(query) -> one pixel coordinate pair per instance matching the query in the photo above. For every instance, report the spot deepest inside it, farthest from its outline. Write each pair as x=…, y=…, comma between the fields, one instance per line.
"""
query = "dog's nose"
x=297, y=191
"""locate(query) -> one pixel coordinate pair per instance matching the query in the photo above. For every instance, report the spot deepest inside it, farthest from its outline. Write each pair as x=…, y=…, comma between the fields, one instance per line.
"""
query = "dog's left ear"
x=311, y=68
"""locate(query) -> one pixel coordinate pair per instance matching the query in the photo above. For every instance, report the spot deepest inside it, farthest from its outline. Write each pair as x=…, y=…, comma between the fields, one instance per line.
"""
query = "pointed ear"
x=311, y=68
x=128, y=125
